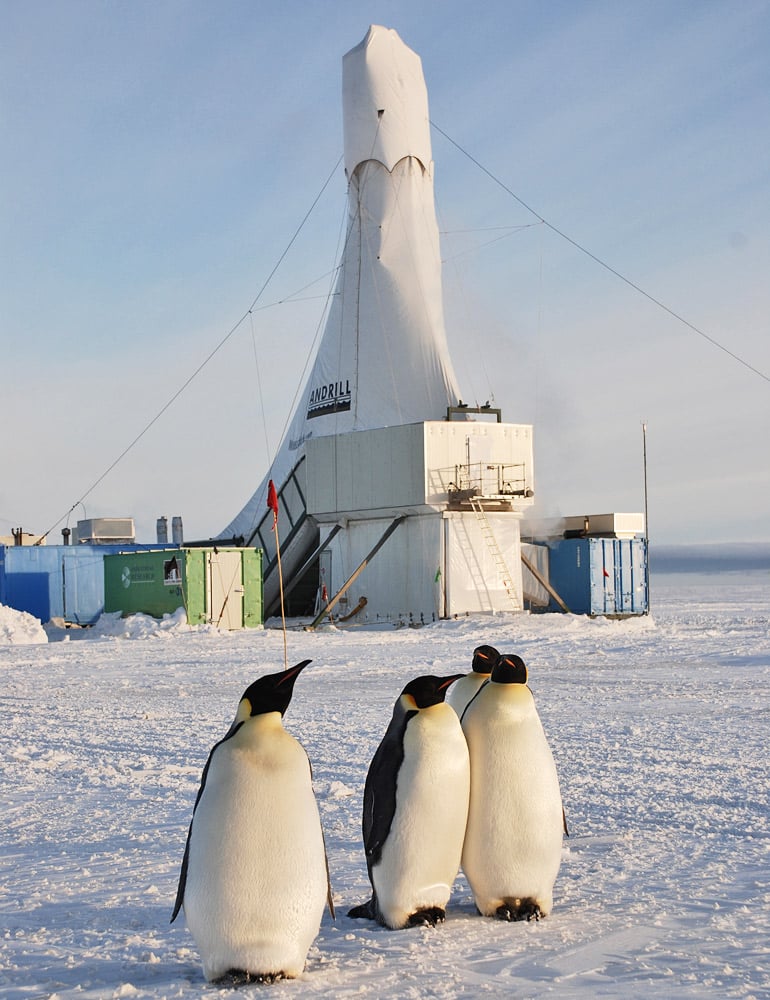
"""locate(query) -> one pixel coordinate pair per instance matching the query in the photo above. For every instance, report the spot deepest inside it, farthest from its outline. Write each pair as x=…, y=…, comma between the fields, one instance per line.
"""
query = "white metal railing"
x=488, y=479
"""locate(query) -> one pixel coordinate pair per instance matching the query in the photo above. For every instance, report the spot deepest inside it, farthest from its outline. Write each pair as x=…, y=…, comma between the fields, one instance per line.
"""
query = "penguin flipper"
x=380, y=788
x=185, y=860
x=182, y=879
x=329, y=896
x=564, y=821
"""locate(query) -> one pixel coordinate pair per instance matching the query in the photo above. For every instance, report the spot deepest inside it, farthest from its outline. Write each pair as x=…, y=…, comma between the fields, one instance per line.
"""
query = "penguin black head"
x=509, y=669
x=271, y=693
x=428, y=690
x=484, y=659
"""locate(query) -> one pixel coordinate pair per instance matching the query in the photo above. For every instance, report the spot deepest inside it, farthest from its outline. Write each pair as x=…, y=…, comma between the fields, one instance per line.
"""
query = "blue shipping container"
x=600, y=576
x=57, y=581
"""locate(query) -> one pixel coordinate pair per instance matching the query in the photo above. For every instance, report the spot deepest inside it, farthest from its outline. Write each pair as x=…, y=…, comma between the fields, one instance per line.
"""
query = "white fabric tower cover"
x=383, y=358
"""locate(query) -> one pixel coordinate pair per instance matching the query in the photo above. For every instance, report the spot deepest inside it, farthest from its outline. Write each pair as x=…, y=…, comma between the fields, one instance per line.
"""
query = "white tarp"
x=474, y=578
x=534, y=592
x=383, y=359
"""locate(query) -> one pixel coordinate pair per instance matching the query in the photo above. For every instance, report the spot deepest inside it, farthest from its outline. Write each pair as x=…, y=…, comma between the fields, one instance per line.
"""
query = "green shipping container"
x=221, y=587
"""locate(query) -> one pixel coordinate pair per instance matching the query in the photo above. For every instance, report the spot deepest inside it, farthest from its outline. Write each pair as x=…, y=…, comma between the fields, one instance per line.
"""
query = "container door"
x=618, y=577
x=624, y=586
x=224, y=589
x=69, y=588
x=633, y=576
x=604, y=581
x=82, y=585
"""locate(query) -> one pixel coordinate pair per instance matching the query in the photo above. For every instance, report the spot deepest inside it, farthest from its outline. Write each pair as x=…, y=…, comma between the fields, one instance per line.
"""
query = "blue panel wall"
x=57, y=581
x=29, y=592
x=29, y=582
x=569, y=573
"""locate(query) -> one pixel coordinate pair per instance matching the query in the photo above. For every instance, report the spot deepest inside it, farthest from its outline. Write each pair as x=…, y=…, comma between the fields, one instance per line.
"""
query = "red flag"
x=272, y=502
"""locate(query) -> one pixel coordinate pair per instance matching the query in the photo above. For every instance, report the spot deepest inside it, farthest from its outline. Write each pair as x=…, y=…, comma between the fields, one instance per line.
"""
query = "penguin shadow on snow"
x=254, y=879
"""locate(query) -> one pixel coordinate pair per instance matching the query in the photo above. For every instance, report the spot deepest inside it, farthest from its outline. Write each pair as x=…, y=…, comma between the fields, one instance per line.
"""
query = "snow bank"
x=18, y=628
x=140, y=626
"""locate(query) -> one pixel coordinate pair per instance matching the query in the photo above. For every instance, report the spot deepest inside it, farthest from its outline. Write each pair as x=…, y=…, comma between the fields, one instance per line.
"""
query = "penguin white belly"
x=462, y=691
x=256, y=880
x=513, y=841
x=421, y=856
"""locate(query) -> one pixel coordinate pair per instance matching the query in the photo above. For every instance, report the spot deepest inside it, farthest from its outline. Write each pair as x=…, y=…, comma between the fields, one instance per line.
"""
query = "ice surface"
x=659, y=727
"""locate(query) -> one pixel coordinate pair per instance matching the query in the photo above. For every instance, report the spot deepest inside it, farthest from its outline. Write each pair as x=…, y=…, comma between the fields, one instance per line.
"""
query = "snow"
x=17, y=628
x=658, y=725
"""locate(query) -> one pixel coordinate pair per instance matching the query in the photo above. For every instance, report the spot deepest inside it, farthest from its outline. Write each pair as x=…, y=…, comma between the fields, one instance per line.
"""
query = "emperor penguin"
x=254, y=876
x=415, y=809
x=484, y=658
x=513, y=840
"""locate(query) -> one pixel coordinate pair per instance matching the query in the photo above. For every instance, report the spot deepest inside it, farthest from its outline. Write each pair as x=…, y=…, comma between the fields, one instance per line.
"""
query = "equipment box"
x=217, y=586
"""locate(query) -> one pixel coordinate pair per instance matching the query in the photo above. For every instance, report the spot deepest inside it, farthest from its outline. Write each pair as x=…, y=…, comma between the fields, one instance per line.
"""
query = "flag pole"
x=272, y=503
x=646, y=518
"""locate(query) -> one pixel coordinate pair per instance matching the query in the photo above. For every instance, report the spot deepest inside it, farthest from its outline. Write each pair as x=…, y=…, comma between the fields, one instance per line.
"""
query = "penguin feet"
x=519, y=909
x=241, y=977
x=366, y=911
x=428, y=917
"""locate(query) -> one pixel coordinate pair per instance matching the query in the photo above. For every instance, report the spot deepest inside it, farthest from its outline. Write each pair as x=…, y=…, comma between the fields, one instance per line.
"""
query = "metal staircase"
x=298, y=533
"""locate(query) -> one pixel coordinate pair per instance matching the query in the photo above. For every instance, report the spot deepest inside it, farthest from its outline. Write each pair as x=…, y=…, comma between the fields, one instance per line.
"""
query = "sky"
x=159, y=158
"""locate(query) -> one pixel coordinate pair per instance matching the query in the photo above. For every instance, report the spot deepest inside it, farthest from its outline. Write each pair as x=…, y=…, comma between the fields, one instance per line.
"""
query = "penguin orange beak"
x=449, y=680
x=292, y=672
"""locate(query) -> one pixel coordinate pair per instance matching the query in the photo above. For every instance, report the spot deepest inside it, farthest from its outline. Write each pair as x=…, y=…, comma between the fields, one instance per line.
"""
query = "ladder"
x=497, y=555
